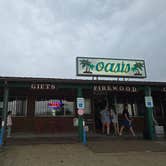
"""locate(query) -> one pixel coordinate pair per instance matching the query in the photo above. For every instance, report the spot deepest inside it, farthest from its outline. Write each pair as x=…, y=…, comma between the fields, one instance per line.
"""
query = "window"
x=119, y=108
x=1, y=108
x=87, y=106
x=18, y=106
x=54, y=107
x=132, y=109
x=141, y=109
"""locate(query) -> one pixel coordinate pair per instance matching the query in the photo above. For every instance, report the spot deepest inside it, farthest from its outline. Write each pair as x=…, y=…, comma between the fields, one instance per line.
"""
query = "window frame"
x=47, y=99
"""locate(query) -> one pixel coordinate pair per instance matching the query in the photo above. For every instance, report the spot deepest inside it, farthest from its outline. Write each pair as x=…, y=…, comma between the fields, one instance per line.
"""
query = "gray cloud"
x=43, y=38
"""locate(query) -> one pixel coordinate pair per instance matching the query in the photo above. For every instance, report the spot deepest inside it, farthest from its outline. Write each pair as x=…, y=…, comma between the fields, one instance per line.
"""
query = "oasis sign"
x=87, y=66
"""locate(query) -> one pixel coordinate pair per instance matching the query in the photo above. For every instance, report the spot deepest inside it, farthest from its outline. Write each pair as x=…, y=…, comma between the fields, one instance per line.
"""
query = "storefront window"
x=141, y=109
x=132, y=109
x=1, y=108
x=54, y=107
x=119, y=108
x=87, y=106
x=18, y=106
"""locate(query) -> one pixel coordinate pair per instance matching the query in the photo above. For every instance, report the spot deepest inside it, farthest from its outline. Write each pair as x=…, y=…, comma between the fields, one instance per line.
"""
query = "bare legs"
x=116, y=128
x=107, y=125
x=9, y=128
x=121, y=130
x=131, y=130
x=103, y=128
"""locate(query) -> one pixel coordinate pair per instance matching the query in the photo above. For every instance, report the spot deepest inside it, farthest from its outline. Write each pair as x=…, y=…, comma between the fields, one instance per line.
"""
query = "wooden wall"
x=43, y=124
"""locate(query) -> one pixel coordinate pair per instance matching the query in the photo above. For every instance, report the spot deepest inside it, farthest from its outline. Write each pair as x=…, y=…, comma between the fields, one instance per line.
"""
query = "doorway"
x=100, y=103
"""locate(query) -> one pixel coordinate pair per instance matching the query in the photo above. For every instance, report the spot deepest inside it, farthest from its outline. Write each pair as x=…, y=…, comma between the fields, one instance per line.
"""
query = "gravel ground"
x=93, y=154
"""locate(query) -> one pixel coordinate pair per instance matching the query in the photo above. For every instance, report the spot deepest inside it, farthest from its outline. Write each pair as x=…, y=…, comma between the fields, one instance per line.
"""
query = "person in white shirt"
x=114, y=117
x=9, y=123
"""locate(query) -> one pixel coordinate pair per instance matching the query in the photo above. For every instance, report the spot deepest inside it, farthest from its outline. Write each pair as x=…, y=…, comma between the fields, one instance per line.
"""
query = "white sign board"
x=80, y=103
x=87, y=66
x=148, y=101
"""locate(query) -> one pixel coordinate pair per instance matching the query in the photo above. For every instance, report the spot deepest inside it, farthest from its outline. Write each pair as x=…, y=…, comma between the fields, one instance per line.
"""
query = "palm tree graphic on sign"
x=87, y=65
x=137, y=68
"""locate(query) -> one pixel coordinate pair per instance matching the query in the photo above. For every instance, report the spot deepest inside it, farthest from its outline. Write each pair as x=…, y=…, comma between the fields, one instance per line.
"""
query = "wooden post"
x=4, y=114
x=80, y=118
x=148, y=117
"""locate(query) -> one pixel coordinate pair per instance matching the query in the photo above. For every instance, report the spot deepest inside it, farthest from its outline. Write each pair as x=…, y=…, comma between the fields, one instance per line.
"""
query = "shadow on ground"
x=126, y=145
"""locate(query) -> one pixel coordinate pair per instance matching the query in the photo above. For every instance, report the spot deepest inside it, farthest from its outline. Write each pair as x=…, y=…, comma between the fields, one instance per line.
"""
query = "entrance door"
x=100, y=102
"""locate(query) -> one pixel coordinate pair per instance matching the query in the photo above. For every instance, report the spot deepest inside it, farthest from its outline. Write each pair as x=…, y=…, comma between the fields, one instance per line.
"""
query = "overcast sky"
x=42, y=38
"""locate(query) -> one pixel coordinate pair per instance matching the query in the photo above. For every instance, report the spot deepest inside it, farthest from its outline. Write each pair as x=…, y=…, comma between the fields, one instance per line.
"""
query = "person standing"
x=106, y=120
x=9, y=123
x=127, y=121
x=115, y=122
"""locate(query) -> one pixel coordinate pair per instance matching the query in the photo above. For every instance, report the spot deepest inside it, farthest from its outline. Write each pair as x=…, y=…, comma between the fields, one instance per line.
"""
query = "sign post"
x=80, y=107
x=148, y=114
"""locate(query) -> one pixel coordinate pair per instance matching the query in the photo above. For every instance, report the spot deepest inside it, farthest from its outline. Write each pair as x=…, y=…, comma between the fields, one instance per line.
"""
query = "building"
x=47, y=105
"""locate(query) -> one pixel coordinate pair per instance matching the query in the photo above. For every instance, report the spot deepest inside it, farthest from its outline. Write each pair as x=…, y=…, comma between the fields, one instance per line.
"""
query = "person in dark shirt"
x=127, y=121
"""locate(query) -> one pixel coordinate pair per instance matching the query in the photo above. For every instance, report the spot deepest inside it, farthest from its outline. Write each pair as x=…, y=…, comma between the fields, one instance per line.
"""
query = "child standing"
x=115, y=122
x=9, y=123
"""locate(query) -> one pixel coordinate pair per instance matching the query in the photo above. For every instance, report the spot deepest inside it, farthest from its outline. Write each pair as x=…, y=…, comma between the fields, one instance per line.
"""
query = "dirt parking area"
x=99, y=153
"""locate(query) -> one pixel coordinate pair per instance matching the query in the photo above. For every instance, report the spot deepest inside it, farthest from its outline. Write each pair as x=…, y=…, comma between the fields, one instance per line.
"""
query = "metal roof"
x=80, y=81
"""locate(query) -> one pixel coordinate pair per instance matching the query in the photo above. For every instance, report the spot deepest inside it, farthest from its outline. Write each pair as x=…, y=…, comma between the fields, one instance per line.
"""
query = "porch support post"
x=80, y=118
x=4, y=114
x=148, y=117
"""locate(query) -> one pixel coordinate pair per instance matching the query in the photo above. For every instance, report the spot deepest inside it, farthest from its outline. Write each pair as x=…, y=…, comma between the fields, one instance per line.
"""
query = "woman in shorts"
x=106, y=120
x=127, y=121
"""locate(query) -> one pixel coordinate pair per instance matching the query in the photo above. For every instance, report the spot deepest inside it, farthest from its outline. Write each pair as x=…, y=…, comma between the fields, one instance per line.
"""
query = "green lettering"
x=123, y=65
x=112, y=67
x=117, y=68
x=100, y=66
x=127, y=68
x=107, y=67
